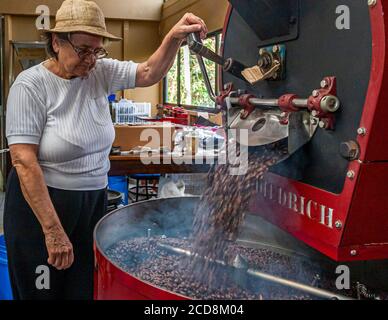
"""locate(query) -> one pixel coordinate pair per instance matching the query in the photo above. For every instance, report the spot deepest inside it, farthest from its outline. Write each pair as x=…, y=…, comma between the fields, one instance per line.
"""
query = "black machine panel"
x=320, y=49
x=259, y=15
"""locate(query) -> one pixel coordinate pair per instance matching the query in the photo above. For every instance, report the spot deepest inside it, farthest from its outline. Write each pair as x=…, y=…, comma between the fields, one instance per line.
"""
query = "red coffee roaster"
x=321, y=85
x=297, y=71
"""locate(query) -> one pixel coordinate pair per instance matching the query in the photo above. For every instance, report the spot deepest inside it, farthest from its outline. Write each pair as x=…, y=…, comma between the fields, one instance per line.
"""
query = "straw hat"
x=81, y=16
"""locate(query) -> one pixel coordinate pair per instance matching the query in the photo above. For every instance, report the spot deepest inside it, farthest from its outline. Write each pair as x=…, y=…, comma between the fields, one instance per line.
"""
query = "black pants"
x=78, y=211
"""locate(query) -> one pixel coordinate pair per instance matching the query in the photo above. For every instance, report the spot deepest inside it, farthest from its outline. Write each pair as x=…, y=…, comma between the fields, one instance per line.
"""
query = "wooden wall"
x=137, y=22
x=213, y=12
x=113, y=9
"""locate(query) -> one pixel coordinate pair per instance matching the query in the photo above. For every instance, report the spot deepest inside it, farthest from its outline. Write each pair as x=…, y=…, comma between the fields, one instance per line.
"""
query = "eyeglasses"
x=82, y=53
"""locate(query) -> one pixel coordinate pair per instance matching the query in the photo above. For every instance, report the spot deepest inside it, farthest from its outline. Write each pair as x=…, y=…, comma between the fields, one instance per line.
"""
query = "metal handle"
x=195, y=44
x=206, y=78
x=274, y=103
x=228, y=65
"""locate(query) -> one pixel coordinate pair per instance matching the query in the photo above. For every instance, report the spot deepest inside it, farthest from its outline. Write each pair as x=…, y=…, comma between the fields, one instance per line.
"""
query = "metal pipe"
x=298, y=286
x=172, y=249
x=206, y=78
x=257, y=102
x=300, y=103
x=257, y=274
x=187, y=253
x=195, y=45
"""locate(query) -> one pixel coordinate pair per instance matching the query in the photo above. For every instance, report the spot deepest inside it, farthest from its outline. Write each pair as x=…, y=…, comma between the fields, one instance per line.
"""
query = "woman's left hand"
x=189, y=24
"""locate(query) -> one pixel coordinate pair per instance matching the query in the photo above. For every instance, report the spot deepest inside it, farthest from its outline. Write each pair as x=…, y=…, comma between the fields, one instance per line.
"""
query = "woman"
x=60, y=134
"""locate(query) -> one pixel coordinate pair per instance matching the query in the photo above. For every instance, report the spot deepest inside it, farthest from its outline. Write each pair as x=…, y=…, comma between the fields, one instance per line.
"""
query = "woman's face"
x=70, y=60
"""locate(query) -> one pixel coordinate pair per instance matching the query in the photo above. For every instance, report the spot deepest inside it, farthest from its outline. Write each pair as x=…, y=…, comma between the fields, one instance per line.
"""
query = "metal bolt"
x=350, y=150
x=322, y=124
x=330, y=104
x=315, y=93
x=372, y=3
x=353, y=253
x=275, y=49
x=314, y=113
x=338, y=224
x=324, y=84
x=361, y=131
x=351, y=174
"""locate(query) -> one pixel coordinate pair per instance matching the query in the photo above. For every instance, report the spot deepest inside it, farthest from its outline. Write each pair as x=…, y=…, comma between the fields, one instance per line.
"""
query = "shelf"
x=29, y=54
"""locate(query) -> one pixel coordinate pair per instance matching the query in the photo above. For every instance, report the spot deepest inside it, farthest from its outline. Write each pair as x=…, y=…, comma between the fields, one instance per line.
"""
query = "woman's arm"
x=59, y=247
x=157, y=66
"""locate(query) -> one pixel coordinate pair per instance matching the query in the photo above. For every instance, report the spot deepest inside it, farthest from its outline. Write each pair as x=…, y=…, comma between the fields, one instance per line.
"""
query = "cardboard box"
x=155, y=136
x=215, y=118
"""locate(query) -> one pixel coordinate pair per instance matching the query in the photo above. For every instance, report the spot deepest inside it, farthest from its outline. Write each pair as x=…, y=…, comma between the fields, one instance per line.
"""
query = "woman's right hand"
x=25, y=160
x=59, y=248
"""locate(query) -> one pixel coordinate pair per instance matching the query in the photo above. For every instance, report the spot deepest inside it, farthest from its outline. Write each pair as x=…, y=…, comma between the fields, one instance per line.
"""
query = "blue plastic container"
x=5, y=285
x=120, y=184
x=112, y=98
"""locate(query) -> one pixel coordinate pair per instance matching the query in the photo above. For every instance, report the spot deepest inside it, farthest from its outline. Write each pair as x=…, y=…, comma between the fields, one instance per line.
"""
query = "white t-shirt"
x=69, y=120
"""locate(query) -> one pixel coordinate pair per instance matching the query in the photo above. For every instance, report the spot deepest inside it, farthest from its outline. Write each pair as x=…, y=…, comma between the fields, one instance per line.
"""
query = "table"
x=133, y=164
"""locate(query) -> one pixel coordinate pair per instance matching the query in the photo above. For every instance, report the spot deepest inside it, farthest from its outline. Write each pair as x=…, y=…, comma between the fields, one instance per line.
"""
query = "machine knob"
x=330, y=103
x=350, y=150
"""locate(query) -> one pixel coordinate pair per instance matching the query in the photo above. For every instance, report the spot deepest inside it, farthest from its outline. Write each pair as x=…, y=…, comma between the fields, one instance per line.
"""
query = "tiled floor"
x=2, y=195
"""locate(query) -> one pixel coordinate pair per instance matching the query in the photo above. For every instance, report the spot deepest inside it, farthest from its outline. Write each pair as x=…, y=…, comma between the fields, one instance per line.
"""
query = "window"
x=184, y=84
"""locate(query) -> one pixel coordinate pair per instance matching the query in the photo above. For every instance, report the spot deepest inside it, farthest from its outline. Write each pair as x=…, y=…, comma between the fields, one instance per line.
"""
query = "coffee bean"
x=217, y=219
x=223, y=205
x=171, y=272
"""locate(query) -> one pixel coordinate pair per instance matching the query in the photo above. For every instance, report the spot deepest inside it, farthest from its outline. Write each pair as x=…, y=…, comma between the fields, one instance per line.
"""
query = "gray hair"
x=48, y=38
